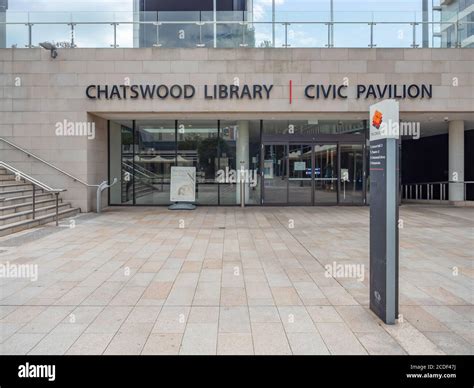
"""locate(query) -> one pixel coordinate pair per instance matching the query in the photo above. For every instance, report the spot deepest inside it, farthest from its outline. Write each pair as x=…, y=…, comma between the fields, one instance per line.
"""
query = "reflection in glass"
x=198, y=146
x=352, y=179
x=325, y=173
x=239, y=148
x=312, y=127
x=155, y=154
x=300, y=174
x=275, y=174
x=121, y=155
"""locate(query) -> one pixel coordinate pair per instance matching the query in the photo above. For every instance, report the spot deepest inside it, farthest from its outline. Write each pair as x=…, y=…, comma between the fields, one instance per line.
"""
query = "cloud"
x=70, y=6
x=262, y=8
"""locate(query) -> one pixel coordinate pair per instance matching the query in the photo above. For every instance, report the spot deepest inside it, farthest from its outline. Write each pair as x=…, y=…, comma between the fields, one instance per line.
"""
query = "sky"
x=300, y=35
x=259, y=5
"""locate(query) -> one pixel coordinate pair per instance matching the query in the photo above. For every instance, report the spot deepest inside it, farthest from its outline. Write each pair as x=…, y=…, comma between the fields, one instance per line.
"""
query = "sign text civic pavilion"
x=255, y=91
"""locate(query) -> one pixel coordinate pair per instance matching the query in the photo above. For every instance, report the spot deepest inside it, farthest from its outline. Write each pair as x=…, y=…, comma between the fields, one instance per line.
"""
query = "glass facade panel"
x=352, y=174
x=276, y=169
x=239, y=147
x=198, y=145
x=300, y=174
x=155, y=155
x=311, y=127
x=275, y=175
x=121, y=150
x=325, y=173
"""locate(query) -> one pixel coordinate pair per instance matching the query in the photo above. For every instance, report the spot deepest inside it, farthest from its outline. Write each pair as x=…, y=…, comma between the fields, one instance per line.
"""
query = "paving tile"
x=109, y=320
x=90, y=344
x=127, y=296
x=59, y=340
x=233, y=296
x=359, y=319
x=130, y=339
x=207, y=294
x=20, y=344
x=307, y=343
x=180, y=296
x=296, y=319
x=412, y=340
x=259, y=294
x=234, y=344
x=253, y=287
x=324, y=314
x=340, y=339
x=46, y=320
x=22, y=314
x=463, y=329
x=234, y=320
x=338, y=296
x=450, y=343
x=162, y=344
x=200, y=314
x=286, y=296
x=172, y=319
x=199, y=339
x=104, y=294
x=270, y=339
x=379, y=343
x=264, y=314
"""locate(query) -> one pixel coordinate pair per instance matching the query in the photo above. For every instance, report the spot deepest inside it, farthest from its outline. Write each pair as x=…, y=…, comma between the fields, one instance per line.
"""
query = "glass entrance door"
x=325, y=174
x=275, y=176
x=351, y=184
x=313, y=174
x=300, y=158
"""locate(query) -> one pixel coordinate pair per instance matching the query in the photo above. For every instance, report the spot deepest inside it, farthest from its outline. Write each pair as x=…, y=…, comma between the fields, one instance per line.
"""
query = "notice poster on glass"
x=300, y=166
x=183, y=184
x=268, y=169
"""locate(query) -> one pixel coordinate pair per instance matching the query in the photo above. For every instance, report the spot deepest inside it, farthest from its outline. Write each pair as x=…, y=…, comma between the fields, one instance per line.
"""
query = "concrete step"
x=28, y=214
x=13, y=192
x=7, y=177
x=20, y=207
x=29, y=223
x=23, y=198
x=8, y=186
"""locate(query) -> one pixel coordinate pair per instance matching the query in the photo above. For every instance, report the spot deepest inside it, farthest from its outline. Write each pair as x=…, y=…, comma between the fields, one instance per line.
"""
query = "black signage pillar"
x=384, y=192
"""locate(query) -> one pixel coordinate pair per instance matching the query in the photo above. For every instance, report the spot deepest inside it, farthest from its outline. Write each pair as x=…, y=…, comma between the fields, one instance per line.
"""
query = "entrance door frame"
x=337, y=140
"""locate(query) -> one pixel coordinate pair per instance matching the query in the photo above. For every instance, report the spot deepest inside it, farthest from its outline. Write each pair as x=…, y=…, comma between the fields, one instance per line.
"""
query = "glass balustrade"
x=233, y=29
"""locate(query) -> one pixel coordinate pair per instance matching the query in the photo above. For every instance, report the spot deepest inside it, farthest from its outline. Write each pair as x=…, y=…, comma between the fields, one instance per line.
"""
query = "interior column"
x=242, y=157
x=456, y=160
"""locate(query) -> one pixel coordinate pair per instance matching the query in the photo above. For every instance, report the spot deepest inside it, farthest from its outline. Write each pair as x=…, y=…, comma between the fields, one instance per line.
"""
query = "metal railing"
x=431, y=191
x=100, y=187
x=35, y=183
x=234, y=34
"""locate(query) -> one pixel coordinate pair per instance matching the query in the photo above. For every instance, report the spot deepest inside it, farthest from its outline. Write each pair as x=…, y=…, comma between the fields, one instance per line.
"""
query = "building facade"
x=457, y=11
x=295, y=120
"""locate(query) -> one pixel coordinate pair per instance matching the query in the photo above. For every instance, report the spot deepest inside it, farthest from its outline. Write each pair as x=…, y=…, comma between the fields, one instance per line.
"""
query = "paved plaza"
x=235, y=281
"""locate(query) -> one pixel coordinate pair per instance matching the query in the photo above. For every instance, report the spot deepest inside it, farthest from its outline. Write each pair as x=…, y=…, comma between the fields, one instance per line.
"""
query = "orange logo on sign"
x=377, y=119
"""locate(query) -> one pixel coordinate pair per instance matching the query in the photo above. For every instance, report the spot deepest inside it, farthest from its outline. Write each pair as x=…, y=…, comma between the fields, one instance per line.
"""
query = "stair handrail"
x=28, y=153
x=34, y=182
x=28, y=178
x=142, y=171
x=100, y=187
